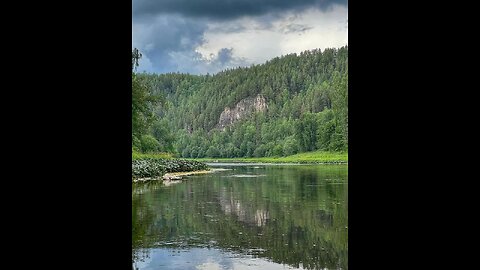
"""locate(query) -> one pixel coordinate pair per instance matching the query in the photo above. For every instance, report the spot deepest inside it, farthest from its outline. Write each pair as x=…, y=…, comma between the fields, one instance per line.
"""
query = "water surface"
x=253, y=216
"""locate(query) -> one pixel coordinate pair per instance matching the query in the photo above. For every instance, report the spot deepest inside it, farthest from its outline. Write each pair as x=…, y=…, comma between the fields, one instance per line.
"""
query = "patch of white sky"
x=256, y=40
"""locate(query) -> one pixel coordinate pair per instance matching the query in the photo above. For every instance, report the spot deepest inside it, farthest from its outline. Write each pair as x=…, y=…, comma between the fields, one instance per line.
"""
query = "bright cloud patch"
x=288, y=33
x=201, y=44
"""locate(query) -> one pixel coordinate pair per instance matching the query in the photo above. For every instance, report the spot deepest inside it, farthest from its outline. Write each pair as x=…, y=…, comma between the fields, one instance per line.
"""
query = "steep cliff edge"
x=241, y=110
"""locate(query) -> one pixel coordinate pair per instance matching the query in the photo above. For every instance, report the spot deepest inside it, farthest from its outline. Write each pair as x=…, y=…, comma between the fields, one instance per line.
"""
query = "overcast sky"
x=207, y=36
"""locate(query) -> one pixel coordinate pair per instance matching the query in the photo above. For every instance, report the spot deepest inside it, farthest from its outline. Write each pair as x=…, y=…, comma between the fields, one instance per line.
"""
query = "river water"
x=245, y=216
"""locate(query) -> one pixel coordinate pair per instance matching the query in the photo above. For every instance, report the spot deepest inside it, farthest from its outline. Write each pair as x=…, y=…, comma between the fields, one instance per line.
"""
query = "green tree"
x=277, y=150
x=162, y=133
x=326, y=129
x=186, y=152
x=142, y=102
x=339, y=96
x=298, y=89
x=260, y=151
x=213, y=152
x=306, y=132
x=290, y=146
x=149, y=144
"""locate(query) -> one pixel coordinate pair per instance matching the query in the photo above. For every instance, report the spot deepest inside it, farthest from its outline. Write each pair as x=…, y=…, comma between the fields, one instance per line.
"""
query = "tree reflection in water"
x=295, y=215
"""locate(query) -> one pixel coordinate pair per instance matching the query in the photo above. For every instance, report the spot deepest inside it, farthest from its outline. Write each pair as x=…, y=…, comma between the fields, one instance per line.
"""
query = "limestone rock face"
x=242, y=109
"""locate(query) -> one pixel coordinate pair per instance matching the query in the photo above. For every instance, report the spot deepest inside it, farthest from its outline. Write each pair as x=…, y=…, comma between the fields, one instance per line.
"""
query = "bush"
x=142, y=168
x=213, y=152
x=136, y=144
x=157, y=167
x=290, y=146
x=181, y=165
x=186, y=152
x=149, y=144
x=277, y=150
x=260, y=151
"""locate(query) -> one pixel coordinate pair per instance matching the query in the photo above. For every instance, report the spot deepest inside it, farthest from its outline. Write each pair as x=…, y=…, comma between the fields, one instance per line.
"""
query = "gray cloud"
x=169, y=33
x=168, y=45
x=195, y=63
x=224, y=9
x=224, y=59
x=228, y=28
x=224, y=55
x=295, y=28
x=163, y=38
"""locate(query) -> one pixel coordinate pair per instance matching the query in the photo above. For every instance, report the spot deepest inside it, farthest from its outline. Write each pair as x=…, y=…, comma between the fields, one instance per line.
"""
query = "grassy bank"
x=138, y=155
x=307, y=157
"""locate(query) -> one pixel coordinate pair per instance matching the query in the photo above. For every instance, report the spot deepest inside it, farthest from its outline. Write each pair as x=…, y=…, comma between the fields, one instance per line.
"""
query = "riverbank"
x=316, y=157
x=146, y=167
x=178, y=175
x=155, y=168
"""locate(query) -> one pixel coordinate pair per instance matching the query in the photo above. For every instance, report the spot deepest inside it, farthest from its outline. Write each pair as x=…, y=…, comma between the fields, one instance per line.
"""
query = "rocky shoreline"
x=148, y=169
x=176, y=177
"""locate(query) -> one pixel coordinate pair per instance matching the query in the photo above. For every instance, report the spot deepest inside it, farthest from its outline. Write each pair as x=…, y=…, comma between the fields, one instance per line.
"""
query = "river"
x=247, y=216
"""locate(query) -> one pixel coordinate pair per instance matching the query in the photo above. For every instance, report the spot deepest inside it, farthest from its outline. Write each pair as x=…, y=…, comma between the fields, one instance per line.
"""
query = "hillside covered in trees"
x=290, y=104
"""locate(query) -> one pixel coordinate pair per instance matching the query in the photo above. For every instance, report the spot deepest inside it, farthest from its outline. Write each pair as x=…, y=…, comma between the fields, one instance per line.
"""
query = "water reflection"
x=232, y=206
x=292, y=215
x=204, y=259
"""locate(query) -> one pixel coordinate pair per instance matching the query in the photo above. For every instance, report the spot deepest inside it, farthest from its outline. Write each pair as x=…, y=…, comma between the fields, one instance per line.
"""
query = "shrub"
x=157, y=167
x=150, y=144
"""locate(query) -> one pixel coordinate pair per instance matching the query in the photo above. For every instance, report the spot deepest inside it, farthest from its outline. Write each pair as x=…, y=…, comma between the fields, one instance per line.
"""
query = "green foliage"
x=194, y=152
x=157, y=167
x=290, y=146
x=307, y=108
x=306, y=132
x=213, y=152
x=182, y=165
x=138, y=155
x=277, y=150
x=143, y=103
x=315, y=157
x=163, y=135
x=260, y=151
x=326, y=130
x=136, y=144
x=149, y=144
x=136, y=55
x=142, y=168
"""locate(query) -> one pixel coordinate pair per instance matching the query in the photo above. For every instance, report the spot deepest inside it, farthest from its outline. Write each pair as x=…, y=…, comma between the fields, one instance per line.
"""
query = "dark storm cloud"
x=228, y=28
x=161, y=38
x=169, y=32
x=168, y=45
x=224, y=9
x=295, y=28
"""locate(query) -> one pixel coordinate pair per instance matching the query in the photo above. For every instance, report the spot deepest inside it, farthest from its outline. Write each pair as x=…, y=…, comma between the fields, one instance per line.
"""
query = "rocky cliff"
x=241, y=110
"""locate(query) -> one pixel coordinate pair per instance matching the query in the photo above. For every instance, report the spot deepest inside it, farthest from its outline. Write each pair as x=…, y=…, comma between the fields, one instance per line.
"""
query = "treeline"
x=307, y=108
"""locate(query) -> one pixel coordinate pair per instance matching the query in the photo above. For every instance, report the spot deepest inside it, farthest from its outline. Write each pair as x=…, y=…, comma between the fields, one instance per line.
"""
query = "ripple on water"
x=245, y=175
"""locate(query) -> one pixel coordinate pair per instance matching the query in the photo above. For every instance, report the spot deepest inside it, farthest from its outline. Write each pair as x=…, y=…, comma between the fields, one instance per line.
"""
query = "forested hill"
x=290, y=104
